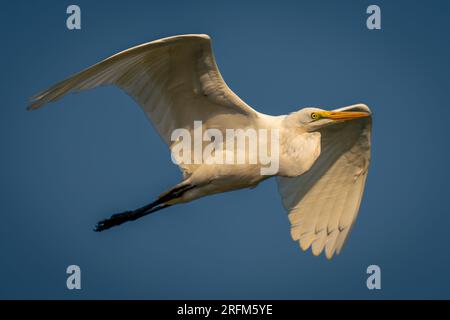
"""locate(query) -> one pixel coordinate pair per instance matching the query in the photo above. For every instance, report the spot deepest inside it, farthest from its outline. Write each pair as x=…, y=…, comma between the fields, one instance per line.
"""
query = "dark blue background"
x=74, y=162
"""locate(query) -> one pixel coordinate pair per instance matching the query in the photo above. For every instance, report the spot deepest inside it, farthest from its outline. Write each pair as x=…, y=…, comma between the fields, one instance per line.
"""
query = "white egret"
x=323, y=155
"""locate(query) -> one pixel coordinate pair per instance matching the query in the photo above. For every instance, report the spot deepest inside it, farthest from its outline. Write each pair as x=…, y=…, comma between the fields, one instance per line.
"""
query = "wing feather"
x=323, y=203
x=175, y=80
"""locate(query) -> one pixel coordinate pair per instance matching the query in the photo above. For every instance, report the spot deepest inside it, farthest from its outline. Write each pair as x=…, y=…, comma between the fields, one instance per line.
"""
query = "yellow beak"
x=344, y=115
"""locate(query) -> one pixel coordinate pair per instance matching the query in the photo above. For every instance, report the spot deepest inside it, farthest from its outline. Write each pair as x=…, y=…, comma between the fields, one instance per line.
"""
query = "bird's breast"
x=298, y=152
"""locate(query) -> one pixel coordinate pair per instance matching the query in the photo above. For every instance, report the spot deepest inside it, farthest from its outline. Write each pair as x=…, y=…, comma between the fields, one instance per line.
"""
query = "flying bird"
x=323, y=155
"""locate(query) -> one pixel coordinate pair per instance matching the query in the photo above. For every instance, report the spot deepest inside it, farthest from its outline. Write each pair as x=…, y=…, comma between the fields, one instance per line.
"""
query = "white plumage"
x=323, y=155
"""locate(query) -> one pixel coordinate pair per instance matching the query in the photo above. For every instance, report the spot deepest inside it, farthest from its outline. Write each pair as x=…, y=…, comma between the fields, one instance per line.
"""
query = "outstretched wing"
x=175, y=80
x=323, y=203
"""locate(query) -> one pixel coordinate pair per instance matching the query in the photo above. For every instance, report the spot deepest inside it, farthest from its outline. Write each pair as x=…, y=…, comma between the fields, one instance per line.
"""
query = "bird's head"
x=312, y=119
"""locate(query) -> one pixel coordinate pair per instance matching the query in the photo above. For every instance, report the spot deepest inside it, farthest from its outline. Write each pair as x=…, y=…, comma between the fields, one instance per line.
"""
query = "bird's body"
x=298, y=151
x=320, y=158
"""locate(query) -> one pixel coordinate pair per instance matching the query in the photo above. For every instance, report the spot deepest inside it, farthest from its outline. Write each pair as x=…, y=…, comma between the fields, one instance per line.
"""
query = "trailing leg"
x=162, y=202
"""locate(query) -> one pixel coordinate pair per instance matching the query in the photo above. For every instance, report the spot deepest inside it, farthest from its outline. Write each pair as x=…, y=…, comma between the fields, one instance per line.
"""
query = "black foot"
x=119, y=218
x=115, y=220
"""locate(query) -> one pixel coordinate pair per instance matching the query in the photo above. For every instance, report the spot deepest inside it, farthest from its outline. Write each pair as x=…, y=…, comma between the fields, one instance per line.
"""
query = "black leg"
x=119, y=218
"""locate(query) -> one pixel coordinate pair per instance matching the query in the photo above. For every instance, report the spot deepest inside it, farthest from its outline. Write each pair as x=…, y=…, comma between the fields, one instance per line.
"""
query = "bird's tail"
x=164, y=200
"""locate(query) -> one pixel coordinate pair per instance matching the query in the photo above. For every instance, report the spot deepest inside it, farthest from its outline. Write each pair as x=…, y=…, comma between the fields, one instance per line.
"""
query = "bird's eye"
x=314, y=116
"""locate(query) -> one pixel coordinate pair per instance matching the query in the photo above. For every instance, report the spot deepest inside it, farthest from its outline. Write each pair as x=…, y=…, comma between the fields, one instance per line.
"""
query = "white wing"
x=323, y=203
x=175, y=80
